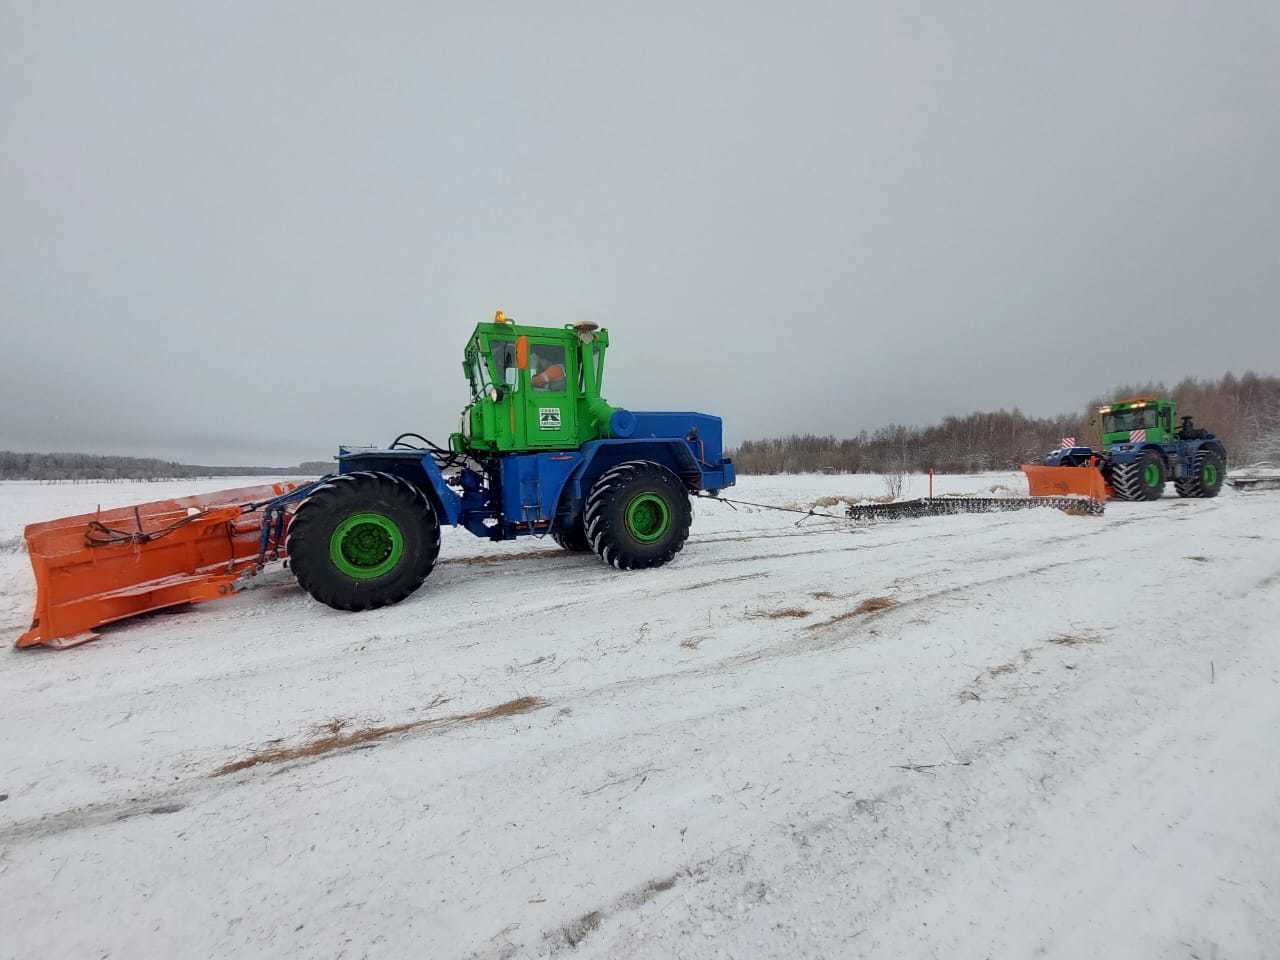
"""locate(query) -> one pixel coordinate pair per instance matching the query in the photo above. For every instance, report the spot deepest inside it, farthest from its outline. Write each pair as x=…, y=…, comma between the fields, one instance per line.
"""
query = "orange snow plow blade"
x=105, y=566
x=1065, y=481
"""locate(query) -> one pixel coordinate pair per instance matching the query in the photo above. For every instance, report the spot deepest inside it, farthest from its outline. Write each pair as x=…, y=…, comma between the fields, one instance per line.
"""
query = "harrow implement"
x=1261, y=476
x=947, y=506
x=99, y=567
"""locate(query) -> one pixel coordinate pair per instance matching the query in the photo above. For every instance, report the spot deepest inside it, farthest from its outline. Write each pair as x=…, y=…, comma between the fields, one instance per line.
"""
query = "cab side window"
x=547, y=367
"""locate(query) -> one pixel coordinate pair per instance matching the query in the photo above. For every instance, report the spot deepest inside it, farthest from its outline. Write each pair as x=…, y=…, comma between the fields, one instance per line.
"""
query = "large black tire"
x=1142, y=479
x=571, y=536
x=363, y=540
x=638, y=515
x=1208, y=470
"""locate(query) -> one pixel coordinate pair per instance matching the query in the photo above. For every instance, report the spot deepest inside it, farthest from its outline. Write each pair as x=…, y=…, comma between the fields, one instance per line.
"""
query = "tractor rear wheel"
x=1208, y=470
x=363, y=540
x=1141, y=479
x=571, y=536
x=638, y=515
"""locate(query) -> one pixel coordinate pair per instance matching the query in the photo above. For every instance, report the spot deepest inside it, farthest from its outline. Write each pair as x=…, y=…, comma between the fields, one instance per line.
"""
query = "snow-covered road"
x=1010, y=735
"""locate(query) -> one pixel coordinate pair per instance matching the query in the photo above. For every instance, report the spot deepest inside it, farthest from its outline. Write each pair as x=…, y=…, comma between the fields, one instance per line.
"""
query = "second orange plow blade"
x=1065, y=481
x=105, y=566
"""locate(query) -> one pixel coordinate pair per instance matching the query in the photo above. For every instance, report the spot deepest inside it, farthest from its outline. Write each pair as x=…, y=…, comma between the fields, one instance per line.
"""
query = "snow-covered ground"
x=1058, y=740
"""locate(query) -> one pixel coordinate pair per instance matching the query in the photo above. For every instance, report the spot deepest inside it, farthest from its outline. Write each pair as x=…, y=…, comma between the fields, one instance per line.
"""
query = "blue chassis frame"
x=1178, y=456
x=527, y=494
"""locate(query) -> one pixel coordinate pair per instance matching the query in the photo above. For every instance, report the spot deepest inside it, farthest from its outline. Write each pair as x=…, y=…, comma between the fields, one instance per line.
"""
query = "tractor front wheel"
x=1141, y=479
x=1208, y=470
x=638, y=515
x=363, y=540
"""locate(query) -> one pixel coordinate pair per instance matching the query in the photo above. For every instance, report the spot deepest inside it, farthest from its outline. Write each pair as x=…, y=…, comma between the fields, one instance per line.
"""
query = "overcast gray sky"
x=249, y=231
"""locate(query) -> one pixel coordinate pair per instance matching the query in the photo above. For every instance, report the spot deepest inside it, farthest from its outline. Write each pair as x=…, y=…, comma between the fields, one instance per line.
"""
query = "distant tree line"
x=84, y=466
x=1243, y=411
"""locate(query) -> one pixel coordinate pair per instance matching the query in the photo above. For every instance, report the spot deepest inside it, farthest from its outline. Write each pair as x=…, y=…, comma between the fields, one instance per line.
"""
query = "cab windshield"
x=1122, y=421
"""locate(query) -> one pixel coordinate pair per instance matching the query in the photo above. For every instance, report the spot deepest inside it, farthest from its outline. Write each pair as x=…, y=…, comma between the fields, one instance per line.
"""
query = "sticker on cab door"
x=549, y=418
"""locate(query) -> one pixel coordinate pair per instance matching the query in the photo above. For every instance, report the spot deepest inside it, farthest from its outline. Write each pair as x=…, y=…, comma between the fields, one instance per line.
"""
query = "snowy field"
x=1011, y=735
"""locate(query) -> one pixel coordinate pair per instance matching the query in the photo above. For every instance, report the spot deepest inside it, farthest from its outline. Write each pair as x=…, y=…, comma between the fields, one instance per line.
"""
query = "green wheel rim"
x=648, y=517
x=366, y=545
x=1151, y=475
x=1210, y=475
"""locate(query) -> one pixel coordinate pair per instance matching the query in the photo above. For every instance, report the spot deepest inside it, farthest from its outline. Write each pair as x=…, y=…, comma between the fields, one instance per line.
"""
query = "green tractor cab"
x=1142, y=419
x=533, y=388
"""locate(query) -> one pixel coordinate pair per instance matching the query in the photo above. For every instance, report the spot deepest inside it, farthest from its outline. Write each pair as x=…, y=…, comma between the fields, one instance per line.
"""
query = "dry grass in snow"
x=335, y=739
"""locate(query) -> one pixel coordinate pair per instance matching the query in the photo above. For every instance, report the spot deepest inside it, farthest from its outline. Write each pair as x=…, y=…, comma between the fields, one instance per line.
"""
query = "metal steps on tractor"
x=946, y=506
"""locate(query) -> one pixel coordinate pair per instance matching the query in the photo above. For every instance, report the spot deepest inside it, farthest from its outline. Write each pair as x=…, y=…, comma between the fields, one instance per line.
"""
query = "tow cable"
x=805, y=514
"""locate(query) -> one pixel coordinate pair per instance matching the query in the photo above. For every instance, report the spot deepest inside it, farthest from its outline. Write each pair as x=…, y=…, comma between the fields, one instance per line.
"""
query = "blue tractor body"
x=1179, y=455
x=533, y=494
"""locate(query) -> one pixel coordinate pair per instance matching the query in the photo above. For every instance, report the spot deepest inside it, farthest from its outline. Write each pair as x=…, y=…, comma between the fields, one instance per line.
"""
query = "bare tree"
x=1264, y=442
x=895, y=482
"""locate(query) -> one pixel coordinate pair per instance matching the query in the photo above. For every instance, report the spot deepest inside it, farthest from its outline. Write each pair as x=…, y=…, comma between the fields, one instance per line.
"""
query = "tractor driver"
x=548, y=368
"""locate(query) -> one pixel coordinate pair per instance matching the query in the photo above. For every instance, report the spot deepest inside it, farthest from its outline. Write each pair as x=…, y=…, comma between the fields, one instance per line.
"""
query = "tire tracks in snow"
x=846, y=629
x=1009, y=741
x=627, y=587
x=799, y=645
x=800, y=642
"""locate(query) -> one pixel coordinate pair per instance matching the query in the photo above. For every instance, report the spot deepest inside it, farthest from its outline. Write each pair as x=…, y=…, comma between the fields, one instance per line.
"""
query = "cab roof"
x=504, y=327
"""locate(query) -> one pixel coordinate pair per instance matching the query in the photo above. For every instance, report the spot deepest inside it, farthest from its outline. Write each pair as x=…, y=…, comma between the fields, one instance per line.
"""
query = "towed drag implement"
x=950, y=506
x=1259, y=476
